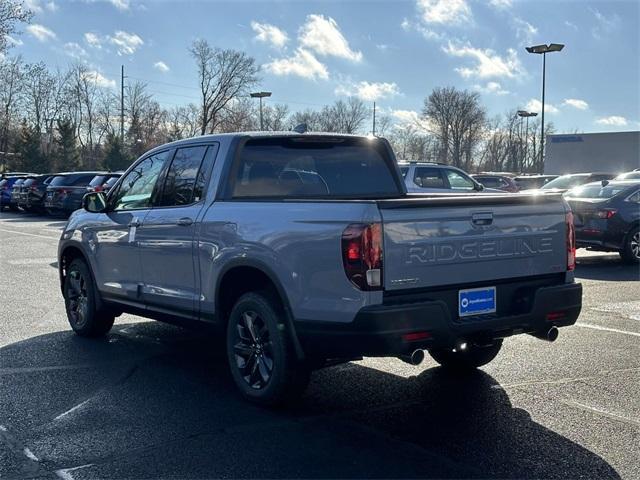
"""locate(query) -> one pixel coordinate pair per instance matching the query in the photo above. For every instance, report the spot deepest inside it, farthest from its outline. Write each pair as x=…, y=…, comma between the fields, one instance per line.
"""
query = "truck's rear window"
x=314, y=167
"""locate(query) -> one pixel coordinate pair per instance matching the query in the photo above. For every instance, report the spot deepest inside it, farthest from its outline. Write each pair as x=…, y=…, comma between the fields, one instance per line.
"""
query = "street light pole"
x=525, y=114
x=543, y=50
x=260, y=95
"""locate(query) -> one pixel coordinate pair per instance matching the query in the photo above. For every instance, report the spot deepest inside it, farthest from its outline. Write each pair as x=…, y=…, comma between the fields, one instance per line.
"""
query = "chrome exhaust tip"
x=415, y=358
x=550, y=335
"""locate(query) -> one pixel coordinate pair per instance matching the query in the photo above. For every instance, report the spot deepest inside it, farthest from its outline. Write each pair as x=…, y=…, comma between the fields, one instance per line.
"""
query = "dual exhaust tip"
x=417, y=356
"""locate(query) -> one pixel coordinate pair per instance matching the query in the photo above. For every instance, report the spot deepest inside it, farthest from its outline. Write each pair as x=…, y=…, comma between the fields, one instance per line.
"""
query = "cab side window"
x=136, y=188
x=187, y=176
x=634, y=198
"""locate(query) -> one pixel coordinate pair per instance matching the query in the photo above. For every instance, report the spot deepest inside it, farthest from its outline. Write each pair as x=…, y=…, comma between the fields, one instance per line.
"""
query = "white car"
x=424, y=177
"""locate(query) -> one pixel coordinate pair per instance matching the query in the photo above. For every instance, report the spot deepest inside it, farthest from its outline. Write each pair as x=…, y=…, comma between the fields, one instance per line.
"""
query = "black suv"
x=65, y=192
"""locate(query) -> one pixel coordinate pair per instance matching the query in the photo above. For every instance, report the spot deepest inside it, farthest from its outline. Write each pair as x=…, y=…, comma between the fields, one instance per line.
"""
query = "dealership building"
x=613, y=152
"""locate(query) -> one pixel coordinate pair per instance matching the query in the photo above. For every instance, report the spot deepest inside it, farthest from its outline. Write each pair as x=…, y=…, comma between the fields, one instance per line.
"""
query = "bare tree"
x=12, y=12
x=11, y=72
x=223, y=75
x=457, y=119
x=275, y=117
x=240, y=115
x=383, y=124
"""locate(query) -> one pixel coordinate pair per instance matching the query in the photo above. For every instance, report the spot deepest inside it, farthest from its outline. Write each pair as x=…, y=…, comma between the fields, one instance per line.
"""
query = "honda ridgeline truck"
x=306, y=250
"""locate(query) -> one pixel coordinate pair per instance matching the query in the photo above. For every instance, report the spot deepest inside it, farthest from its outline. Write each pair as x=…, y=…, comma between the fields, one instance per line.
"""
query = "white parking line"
x=29, y=454
x=65, y=473
x=599, y=411
x=607, y=329
x=28, y=234
x=71, y=410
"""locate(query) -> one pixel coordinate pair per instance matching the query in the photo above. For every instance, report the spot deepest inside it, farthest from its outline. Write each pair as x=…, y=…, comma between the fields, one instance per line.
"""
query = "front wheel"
x=85, y=316
x=261, y=356
x=471, y=357
x=631, y=249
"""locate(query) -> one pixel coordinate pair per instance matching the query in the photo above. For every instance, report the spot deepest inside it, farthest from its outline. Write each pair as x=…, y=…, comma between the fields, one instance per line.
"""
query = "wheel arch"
x=241, y=276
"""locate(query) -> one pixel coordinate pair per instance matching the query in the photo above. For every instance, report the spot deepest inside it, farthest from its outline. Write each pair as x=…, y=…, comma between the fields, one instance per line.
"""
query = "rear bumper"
x=380, y=330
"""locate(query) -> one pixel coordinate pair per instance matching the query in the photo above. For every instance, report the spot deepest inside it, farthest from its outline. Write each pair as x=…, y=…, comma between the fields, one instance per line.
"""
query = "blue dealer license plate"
x=476, y=301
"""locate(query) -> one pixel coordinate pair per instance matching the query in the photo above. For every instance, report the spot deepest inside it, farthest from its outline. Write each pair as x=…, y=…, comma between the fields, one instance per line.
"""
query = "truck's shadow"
x=151, y=400
x=606, y=267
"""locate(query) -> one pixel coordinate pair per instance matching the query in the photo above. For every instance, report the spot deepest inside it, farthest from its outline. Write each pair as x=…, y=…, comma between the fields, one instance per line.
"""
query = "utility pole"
x=374, y=119
x=122, y=77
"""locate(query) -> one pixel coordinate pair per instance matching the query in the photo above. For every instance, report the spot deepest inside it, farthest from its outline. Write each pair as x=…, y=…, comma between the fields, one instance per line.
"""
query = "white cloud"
x=41, y=33
x=120, y=4
x=126, y=43
x=93, y=40
x=569, y=24
x=406, y=25
x=491, y=88
x=38, y=6
x=303, y=64
x=99, y=79
x=444, y=12
x=270, y=34
x=13, y=41
x=501, y=4
x=409, y=118
x=613, y=120
x=535, y=105
x=605, y=24
x=488, y=63
x=161, y=66
x=576, y=103
x=74, y=50
x=524, y=30
x=369, y=91
x=322, y=35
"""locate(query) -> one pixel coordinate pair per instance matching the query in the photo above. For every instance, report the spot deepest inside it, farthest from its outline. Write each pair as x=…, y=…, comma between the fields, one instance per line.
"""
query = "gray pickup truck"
x=305, y=250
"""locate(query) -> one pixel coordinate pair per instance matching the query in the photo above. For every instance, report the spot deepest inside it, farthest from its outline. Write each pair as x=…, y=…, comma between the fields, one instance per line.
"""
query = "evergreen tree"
x=116, y=158
x=28, y=147
x=66, y=153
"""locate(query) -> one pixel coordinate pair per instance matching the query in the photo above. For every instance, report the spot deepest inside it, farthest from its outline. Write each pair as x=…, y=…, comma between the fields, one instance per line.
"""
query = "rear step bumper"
x=401, y=329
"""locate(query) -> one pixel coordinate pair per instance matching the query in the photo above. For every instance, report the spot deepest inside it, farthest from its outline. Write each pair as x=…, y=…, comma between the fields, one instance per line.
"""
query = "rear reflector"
x=551, y=316
x=412, y=337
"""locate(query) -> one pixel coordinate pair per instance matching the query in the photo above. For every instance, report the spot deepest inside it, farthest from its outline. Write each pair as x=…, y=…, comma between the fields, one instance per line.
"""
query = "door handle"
x=185, y=222
x=135, y=223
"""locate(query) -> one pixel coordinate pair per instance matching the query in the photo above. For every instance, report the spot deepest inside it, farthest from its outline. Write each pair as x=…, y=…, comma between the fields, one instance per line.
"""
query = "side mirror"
x=94, y=202
x=478, y=187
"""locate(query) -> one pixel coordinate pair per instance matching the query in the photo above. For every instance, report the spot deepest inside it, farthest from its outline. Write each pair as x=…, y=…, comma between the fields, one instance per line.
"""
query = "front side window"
x=634, y=198
x=428, y=177
x=137, y=187
x=180, y=183
x=458, y=181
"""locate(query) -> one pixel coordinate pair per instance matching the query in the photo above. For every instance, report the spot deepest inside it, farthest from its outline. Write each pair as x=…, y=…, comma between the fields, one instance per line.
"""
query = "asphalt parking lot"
x=153, y=400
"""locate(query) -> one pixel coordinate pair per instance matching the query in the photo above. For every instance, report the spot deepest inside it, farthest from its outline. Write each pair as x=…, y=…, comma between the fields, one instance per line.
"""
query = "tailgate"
x=460, y=240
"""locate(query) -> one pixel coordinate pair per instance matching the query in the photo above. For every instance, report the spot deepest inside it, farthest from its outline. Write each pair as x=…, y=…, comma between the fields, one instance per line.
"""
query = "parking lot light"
x=543, y=50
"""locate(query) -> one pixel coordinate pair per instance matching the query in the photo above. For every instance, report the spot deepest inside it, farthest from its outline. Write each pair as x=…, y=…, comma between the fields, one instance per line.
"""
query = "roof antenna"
x=301, y=128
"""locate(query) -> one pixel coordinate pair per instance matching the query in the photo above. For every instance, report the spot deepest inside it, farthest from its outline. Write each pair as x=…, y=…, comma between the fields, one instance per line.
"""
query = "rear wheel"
x=261, y=356
x=631, y=249
x=471, y=357
x=85, y=315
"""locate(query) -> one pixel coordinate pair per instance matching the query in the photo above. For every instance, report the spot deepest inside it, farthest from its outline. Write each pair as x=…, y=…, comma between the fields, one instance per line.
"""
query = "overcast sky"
x=394, y=52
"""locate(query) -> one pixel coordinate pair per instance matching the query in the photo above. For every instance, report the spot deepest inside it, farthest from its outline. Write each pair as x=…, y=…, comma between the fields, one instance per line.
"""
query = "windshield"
x=565, y=182
x=595, y=191
x=97, y=180
x=59, y=180
x=628, y=176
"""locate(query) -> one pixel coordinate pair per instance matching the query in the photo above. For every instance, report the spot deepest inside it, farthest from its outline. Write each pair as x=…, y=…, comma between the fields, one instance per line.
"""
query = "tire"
x=84, y=311
x=470, y=358
x=260, y=352
x=630, y=252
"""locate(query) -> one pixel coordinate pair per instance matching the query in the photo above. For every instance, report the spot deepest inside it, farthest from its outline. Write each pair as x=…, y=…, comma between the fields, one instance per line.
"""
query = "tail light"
x=571, y=242
x=64, y=191
x=98, y=188
x=606, y=213
x=33, y=188
x=362, y=255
